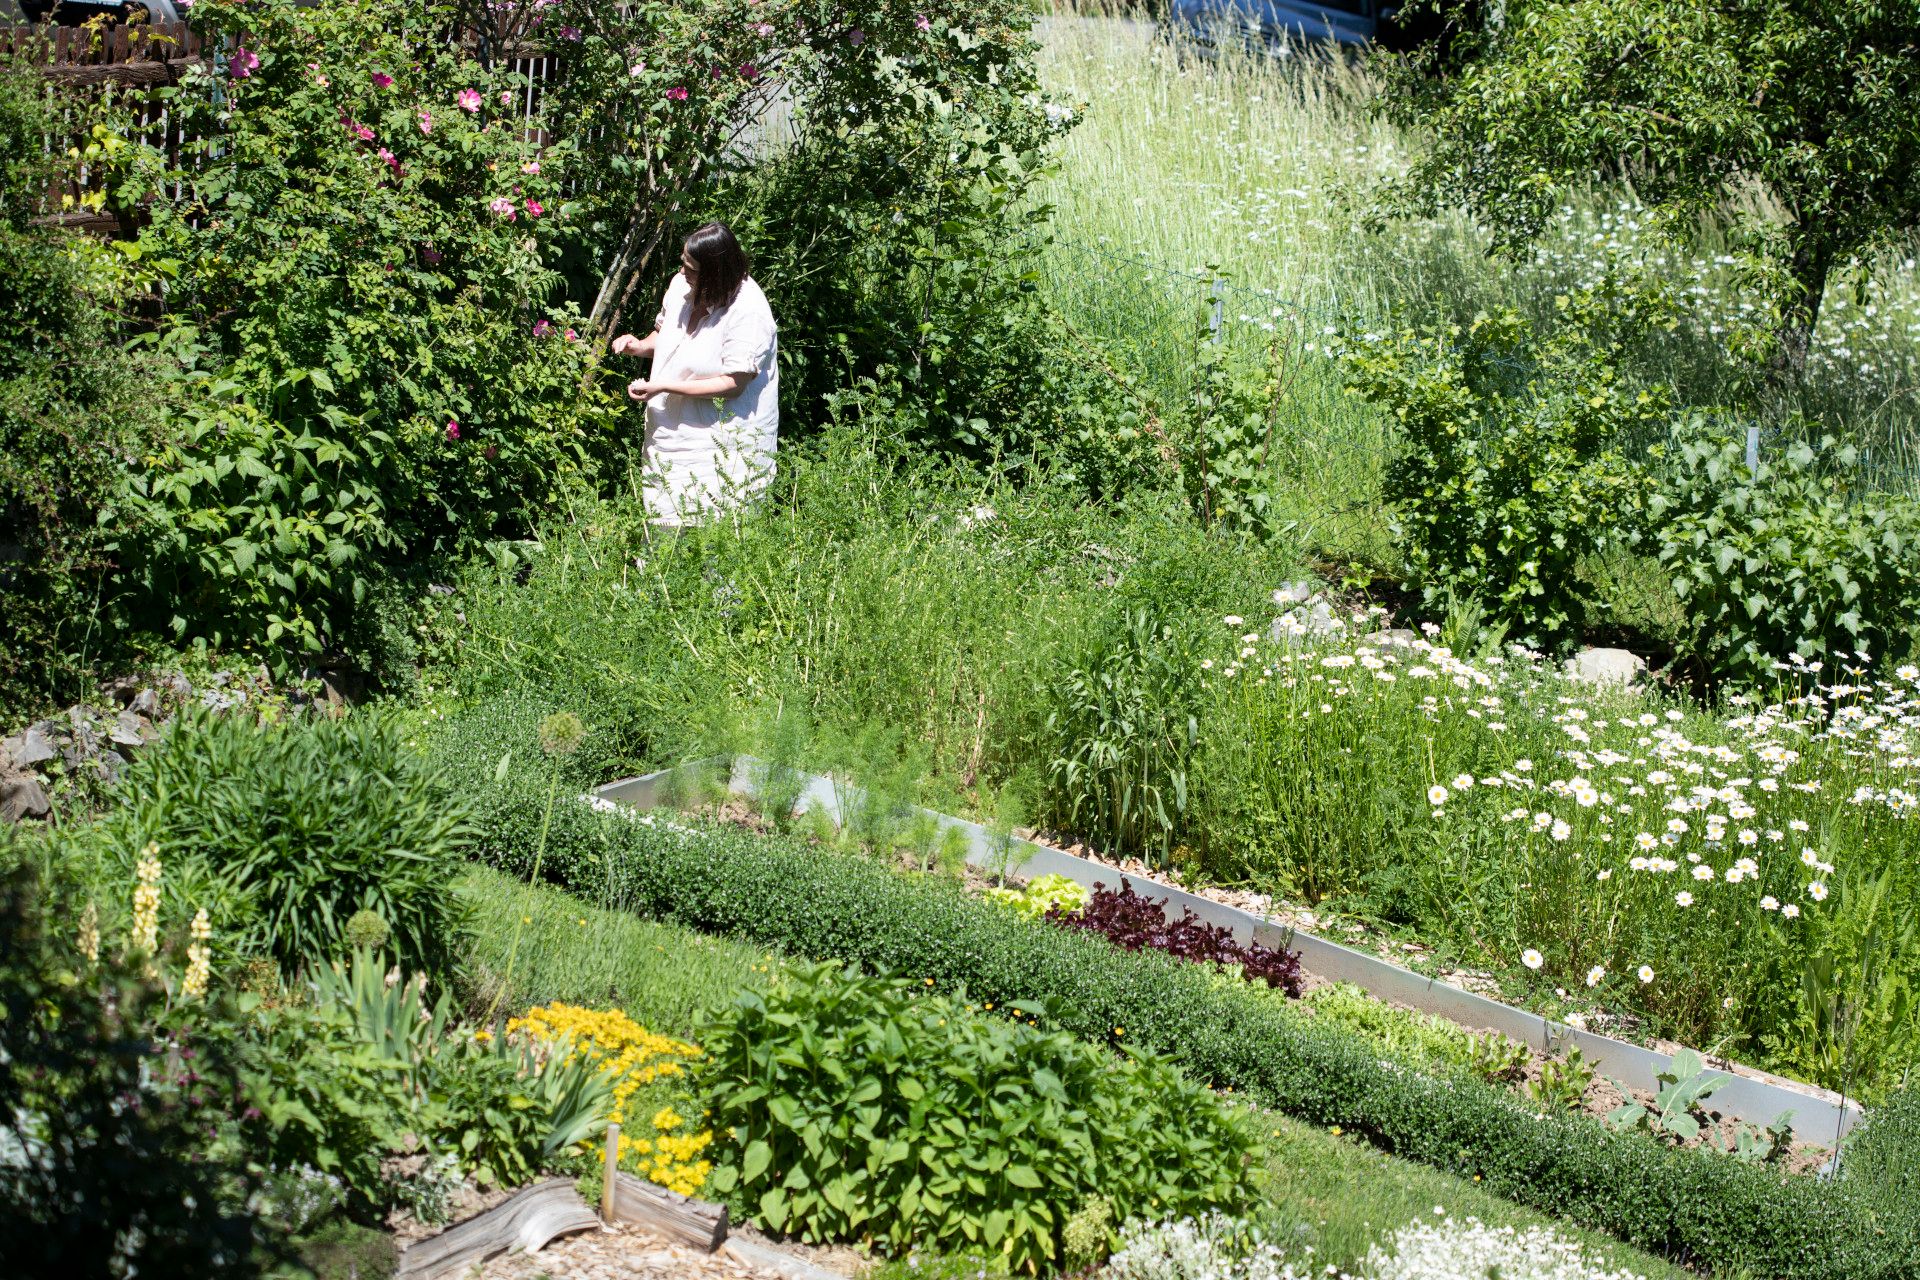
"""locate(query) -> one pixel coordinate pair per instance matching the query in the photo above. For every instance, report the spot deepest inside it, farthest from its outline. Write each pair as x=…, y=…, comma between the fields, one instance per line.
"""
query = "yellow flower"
x=146, y=905
x=199, y=956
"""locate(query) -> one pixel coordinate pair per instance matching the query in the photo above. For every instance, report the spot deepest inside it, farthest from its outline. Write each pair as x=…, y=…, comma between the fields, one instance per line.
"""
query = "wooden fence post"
x=612, y=1182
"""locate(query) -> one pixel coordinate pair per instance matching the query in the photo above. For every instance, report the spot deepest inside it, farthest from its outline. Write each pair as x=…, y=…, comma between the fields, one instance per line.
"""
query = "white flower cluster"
x=1211, y=1247
x=1467, y=1249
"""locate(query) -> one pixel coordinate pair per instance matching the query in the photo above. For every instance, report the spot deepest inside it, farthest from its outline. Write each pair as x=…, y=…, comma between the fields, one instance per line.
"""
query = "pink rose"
x=530, y=167
x=572, y=336
x=363, y=132
x=431, y=254
x=749, y=72
x=920, y=22
x=570, y=33
x=453, y=429
x=468, y=100
x=242, y=63
x=502, y=206
x=381, y=80
x=676, y=94
x=763, y=29
x=542, y=329
x=426, y=121
x=533, y=209
x=856, y=37
x=506, y=97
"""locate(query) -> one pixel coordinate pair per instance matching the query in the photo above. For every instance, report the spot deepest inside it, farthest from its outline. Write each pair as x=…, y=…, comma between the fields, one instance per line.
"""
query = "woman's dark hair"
x=722, y=266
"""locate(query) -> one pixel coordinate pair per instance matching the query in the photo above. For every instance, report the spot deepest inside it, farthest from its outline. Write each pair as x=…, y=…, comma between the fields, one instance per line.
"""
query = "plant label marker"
x=611, y=1183
x=1753, y=451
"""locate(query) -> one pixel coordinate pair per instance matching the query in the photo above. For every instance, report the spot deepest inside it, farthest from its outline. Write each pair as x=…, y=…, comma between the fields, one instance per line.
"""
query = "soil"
x=626, y=1252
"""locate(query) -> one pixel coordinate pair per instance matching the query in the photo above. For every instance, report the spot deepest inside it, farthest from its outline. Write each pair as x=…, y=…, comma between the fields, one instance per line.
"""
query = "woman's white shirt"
x=705, y=453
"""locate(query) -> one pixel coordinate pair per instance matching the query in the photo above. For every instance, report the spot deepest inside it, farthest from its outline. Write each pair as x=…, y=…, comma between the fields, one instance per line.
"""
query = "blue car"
x=1277, y=24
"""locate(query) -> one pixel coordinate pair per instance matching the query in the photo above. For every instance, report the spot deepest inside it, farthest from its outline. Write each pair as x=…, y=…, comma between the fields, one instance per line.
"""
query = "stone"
x=130, y=729
x=22, y=796
x=34, y=745
x=1605, y=666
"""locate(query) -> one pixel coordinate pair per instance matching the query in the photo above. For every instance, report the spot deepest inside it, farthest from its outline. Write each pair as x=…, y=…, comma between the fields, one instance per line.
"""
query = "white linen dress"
x=706, y=454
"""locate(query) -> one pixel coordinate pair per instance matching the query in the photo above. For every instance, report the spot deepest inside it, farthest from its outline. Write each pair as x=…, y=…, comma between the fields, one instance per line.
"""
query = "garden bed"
x=1747, y=1095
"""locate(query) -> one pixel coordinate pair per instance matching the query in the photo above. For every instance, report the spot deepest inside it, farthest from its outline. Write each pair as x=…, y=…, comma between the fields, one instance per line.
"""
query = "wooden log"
x=535, y=1215
x=668, y=1213
x=141, y=72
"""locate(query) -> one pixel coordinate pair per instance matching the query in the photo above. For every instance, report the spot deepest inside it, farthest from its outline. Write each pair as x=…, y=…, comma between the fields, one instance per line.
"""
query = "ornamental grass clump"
x=859, y=1108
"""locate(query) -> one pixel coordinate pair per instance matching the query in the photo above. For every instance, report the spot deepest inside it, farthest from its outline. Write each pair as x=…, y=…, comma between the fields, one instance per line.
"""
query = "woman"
x=713, y=396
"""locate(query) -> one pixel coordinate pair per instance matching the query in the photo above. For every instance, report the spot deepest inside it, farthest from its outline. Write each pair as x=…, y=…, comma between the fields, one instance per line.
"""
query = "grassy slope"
x=1323, y=1190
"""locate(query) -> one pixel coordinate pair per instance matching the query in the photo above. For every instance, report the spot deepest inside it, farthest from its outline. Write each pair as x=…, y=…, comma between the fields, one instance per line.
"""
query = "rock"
x=33, y=746
x=144, y=703
x=1605, y=666
x=130, y=729
x=21, y=796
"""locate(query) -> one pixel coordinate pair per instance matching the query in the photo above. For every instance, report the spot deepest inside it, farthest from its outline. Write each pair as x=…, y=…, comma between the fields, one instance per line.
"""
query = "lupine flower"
x=146, y=904
x=90, y=934
x=468, y=100
x=242, y=62
x=381, y=80
x=199, y=956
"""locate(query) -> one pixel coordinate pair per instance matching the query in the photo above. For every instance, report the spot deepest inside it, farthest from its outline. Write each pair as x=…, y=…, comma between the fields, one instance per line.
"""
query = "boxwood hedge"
x=1694, y=1206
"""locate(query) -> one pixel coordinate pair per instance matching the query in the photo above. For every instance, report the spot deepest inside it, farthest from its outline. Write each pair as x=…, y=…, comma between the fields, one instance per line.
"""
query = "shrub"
x=72, y=413
x=1692, y=1205
x=866, y=1107
x=1787, y=558
x=285, y=831
x=1505, y=476
x=1133, y=921
x=107, y=1118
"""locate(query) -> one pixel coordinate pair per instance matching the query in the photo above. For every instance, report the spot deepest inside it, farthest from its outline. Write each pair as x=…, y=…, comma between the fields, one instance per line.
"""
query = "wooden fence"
x=149, y=56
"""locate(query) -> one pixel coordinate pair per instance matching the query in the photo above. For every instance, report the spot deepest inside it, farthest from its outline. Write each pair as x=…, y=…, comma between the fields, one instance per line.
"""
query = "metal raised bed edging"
x=1741, y=1097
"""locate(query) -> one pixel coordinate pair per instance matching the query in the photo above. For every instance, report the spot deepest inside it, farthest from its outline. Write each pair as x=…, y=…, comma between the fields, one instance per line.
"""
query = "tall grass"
x=1261, y=168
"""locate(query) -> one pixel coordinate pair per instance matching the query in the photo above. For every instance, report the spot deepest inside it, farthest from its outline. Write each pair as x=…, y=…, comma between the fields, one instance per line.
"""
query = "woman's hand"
x=642, y=390
x=628, y=345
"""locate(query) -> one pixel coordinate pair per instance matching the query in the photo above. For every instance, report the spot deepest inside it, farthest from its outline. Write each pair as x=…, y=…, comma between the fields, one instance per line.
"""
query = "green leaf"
x=754, y=1161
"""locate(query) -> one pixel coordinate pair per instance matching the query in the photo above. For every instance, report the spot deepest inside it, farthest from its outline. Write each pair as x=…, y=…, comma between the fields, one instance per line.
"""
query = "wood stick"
x=609, y=1192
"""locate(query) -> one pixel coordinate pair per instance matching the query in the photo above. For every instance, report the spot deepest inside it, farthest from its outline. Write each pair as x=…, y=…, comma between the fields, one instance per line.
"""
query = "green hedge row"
x=1693, y=1206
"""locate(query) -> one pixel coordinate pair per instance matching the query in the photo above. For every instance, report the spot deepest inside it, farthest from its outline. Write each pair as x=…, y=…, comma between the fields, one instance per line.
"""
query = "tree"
x=1793, y=119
